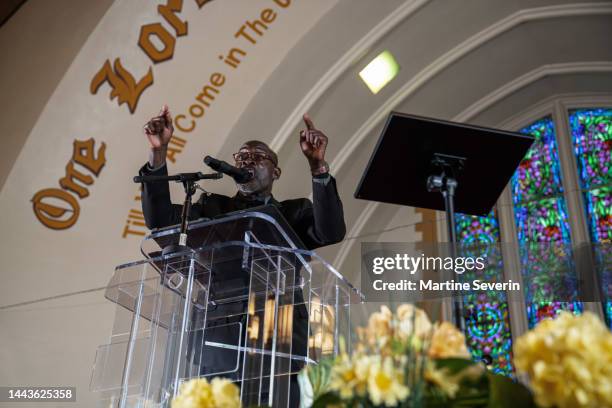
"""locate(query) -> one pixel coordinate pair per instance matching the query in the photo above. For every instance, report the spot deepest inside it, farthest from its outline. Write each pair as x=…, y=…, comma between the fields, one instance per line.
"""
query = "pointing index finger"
x=308, y=122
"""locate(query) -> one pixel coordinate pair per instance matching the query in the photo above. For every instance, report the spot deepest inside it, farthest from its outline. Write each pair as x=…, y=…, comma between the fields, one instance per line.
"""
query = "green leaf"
x=319, y=376
x=314, y=381
x=306, y=392
x=326, y=399
x=454, y=365
x=506, y=393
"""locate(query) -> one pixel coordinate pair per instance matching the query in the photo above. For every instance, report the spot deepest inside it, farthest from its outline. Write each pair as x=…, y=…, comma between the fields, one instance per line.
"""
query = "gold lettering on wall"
x=201, y=3
x=150, y=49
x=84, y=155
x=135, y=224
x=58, y=209
x=68, y=181
x=124, y=86
x=250, y=33
x=169, y=11
x=175, y=147
x=51, y=213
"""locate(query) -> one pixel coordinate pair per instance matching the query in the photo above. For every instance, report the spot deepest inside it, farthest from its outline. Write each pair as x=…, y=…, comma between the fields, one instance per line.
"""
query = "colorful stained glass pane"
x=603, y=260
x=592, y=136
x=538, y=174
x=477, y=230
x=487, y=323
x=548, y=310
x=548, y=277
x=542, y=221
x=488, y=334
x=598, y=202
x=541, y=217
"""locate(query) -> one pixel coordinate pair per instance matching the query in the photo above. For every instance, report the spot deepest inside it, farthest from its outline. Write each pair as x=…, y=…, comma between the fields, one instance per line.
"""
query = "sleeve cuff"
x=321, y=179
x=154, y=169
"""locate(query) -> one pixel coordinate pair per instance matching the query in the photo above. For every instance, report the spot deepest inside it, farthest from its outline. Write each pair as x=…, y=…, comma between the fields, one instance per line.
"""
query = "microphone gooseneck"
x=239, y=175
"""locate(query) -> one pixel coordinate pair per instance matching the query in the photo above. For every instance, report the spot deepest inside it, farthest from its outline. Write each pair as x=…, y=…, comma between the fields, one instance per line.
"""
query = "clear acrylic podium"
x=244, y=303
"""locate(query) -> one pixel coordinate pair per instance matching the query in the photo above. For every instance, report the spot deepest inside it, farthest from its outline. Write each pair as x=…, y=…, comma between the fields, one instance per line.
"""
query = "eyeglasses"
x=257, y=157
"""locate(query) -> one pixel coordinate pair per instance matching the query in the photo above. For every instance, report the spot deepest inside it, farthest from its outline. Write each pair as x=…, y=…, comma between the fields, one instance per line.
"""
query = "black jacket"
x=317, y=225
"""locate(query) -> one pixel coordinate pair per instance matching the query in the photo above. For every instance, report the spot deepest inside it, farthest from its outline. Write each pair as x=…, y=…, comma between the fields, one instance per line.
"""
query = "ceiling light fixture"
x=380, y=71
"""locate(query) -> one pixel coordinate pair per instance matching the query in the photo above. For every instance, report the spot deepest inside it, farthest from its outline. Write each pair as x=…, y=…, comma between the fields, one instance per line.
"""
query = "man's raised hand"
x=313, y=143
x=159, y=129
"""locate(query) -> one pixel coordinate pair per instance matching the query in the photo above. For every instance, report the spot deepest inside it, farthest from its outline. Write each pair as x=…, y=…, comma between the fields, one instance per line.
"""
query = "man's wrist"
x=319, y=168
x=157, y=156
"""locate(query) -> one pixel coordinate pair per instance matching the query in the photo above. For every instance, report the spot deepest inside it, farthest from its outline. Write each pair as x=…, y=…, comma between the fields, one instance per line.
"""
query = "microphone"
x=239, y=175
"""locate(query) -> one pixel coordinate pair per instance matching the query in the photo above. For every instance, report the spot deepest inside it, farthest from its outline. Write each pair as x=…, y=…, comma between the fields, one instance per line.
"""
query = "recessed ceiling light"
x=380, y=71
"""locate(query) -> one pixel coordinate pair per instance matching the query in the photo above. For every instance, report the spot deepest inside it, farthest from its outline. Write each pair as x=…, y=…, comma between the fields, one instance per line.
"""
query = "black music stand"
x=468, y=165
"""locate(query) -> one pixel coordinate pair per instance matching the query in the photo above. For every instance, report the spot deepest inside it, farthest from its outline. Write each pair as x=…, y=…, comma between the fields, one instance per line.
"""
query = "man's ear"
x=277, y=173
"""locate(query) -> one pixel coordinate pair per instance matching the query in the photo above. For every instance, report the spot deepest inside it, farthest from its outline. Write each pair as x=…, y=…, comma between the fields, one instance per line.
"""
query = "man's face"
x=258, y=159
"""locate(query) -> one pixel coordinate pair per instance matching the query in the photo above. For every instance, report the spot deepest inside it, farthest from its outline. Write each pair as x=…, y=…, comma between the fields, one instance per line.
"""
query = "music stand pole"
x=445, y=183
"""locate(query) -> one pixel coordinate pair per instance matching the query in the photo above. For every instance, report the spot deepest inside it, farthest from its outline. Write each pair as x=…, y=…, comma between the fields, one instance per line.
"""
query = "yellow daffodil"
x=195, y=393
x=448, y=342
x=349, y=376
x=412, y=321
x=386, y=383
x=225, y=393
x=380, y=327
x=199, y=393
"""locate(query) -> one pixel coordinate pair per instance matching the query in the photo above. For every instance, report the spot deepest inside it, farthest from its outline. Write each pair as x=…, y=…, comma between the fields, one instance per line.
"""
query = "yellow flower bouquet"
x=568, y=361
x=403, y=360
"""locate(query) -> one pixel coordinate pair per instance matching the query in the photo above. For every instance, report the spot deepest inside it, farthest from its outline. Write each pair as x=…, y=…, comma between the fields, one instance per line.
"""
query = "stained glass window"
x=541, y=217
x=592, y=139
x=487, y=324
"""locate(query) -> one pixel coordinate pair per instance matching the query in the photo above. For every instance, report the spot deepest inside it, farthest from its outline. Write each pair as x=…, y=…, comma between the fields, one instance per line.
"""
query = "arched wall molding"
x=531, y=77
x=474, y=110
x=546, y=107
x=341, y=66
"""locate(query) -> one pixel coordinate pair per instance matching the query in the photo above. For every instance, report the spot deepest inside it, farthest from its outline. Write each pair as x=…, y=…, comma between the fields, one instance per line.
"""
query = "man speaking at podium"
x=317, y=223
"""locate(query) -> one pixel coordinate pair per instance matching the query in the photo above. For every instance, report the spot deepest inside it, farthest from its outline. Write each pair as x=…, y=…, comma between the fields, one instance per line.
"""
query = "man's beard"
x=249, y=188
